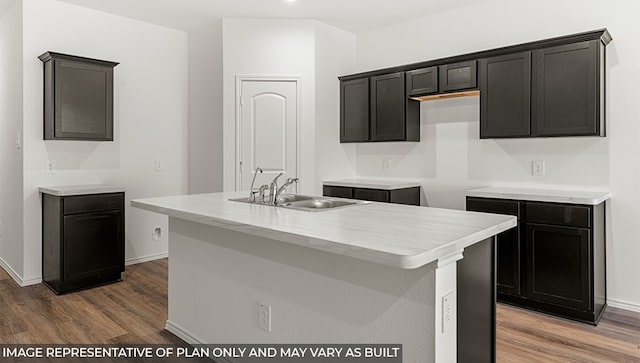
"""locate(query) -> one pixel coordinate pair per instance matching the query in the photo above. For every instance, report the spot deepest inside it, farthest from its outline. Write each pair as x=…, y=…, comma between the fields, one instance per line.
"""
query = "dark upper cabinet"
x=505, y=95
x=377, y=109
x=568, y=99
x=78, y=98
x=387, y=107
x=354, y=110
x=422, y=81
x=458, y=76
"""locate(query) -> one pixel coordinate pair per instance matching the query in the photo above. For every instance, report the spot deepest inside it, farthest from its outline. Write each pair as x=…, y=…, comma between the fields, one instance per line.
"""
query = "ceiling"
x=351, y=15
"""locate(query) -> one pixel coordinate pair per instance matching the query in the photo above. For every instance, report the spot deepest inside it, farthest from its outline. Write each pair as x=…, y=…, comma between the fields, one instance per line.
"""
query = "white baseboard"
x=624, y=305
x=14, y=275
x=133, y=261
x=181, y=333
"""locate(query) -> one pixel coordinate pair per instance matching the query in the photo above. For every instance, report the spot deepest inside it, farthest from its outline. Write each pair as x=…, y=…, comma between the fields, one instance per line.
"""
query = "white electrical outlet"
x=386, y=164
x=18, y=140
x=158, y=165
x=448, y=312
x=264, y=317
x=51, y=166
x=156, y=233
x=537, y=167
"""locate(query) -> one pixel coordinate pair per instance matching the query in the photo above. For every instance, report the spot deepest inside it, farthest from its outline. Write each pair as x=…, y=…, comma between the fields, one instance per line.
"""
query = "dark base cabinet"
x=82, y=240
x=554, y=261
x=410, y=196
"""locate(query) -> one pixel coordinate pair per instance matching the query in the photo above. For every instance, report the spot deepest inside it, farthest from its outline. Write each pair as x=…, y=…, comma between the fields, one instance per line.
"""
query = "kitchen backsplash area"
x=450, y=158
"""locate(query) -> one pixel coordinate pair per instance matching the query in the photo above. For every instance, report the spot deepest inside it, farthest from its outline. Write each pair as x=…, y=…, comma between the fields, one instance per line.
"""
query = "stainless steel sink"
x=319, y=203
x=307, y=203
x=288, y=198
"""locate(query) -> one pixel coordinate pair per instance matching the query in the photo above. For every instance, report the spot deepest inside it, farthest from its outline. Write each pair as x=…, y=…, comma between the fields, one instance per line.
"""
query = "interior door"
x=268, y=132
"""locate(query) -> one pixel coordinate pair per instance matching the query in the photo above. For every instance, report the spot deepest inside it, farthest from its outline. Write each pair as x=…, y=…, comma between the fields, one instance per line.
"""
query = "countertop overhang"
x=542, y=195
x=396, y=235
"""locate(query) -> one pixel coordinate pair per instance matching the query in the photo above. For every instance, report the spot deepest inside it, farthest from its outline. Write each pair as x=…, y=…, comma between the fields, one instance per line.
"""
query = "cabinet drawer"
x=374, y=195
x=497, y=206
x=338, y=192
x=559, y=214
x=93, y=203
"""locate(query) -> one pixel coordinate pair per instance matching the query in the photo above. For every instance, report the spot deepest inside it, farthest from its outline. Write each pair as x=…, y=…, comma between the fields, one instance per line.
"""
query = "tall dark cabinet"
x=554, y=260
x=78, y=97
x=82, y=240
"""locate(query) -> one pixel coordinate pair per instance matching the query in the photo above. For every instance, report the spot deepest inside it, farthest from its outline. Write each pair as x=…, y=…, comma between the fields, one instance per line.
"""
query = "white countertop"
x=67, y=190
x=372, y=183
x=392, y=234
x=542, y=195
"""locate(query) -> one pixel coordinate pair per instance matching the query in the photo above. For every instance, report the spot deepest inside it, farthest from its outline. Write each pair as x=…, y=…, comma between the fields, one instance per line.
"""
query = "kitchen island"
x=362, y=274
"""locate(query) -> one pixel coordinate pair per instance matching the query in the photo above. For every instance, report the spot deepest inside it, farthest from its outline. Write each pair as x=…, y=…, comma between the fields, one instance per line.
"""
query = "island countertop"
x=396, y=235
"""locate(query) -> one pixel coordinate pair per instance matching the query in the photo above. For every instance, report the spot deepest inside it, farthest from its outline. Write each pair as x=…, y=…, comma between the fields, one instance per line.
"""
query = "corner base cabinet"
x=554, y=260
x=82, y=240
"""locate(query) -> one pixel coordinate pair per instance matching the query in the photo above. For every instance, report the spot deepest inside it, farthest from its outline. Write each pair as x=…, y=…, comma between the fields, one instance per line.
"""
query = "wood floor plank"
x=527, y=336
x=134, y=311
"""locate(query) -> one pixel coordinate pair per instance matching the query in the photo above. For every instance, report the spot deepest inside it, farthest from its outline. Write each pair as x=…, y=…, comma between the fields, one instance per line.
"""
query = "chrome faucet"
x=273, y=190
x=252, y=192
x=261, y=191
x=285, y=185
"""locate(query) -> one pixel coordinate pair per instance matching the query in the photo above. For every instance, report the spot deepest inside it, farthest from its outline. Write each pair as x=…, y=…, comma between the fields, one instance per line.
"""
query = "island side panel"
x=218, y=277
x=477, y=303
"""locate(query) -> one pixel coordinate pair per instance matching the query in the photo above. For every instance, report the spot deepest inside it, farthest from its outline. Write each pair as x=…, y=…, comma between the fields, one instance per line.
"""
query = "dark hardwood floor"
x=134, y=311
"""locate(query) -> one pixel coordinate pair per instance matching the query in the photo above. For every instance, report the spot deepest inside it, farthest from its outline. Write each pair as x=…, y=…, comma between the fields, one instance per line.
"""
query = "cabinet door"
x=354, y=110
x=508, y=261
x=505, y=96
x=93, y=244
x=422, y=81
x=388, y=107
x=558, y=265
x=565, y=86
x=458, y=76
x=508, y=243
x=83, y=101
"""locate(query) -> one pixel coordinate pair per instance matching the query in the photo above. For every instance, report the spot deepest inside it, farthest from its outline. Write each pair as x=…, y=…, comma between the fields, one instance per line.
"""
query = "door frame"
x=240, y=78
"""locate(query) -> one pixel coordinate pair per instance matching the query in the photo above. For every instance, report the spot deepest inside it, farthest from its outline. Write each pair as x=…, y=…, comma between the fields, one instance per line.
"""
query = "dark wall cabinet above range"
x=378, y=109
x=552, y=87
x=78, y=98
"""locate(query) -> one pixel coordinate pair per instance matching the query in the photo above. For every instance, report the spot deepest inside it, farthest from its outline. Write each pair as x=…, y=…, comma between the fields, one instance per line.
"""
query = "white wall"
x=334, y=56
x=451, y=159
x=150, y=118
x=205, y=109
x=10, y=127
x=274, y=48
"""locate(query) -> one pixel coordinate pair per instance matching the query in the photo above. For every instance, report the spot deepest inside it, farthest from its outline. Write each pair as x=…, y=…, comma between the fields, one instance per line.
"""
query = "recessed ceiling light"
x=290, y=1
